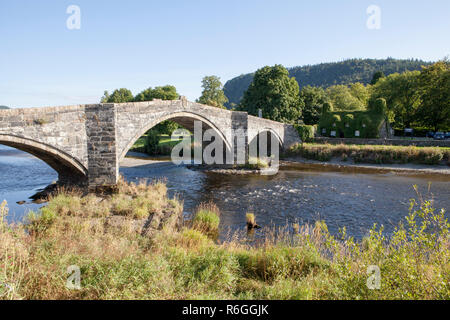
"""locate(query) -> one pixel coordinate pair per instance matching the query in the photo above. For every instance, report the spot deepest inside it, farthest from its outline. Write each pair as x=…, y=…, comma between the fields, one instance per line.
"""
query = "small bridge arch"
x=69, y=169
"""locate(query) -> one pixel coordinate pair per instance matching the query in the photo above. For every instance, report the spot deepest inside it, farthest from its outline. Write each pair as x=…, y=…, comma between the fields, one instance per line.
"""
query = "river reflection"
x=355, y=200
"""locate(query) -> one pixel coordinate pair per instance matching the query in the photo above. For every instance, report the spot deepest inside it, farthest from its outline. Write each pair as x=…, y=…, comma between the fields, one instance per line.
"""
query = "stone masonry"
x=86, y=143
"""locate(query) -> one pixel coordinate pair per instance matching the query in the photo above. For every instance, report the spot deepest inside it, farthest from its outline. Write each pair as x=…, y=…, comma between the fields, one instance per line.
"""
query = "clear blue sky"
x=137, y=44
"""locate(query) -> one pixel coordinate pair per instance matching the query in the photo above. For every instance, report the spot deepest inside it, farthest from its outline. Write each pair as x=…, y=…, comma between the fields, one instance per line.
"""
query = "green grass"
x=165, y=143
x=119, y=263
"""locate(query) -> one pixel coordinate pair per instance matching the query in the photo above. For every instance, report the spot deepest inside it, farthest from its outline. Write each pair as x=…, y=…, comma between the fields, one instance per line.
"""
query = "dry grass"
x=119, y=263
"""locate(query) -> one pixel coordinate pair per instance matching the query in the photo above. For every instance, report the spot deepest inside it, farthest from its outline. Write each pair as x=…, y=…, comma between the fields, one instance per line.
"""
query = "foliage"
x=118, y=96
x=346, y=123
x=402, y=94
x=377, y=76
x=378, y=106
x=212, y=93
x=348, y=98
x=275, y=94
x=305, y=132
x=372, y=153
x=328, y=74
x=152, y=141
x=434, y=110
x=312, y=100
x=206, y=219
x=167, y=92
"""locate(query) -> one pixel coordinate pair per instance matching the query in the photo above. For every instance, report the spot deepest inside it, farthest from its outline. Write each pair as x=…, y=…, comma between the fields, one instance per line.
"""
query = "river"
x=355, y=200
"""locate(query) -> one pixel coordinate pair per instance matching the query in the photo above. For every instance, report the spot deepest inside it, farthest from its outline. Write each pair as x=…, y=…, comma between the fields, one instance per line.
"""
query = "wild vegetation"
x=295, y=262
x=372, y=153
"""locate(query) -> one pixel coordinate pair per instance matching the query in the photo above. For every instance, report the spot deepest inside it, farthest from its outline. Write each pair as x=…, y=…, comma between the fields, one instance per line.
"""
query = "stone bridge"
x=86, y=143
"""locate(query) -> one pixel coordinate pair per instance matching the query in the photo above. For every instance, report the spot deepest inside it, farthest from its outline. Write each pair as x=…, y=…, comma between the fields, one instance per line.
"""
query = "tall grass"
x=120, y=263
x=372, y=153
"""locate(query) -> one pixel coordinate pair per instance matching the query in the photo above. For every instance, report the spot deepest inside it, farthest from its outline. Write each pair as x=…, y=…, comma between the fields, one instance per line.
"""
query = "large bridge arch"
x=69, y=169
x=183, y=118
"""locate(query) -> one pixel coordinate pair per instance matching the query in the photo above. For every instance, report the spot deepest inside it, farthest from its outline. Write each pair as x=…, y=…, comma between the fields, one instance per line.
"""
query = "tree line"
x=414, y=98
x=329, y=74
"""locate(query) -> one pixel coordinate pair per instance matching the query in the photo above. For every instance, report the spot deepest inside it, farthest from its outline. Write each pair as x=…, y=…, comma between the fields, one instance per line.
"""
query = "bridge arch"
x=69, y=169
x=185, y=119
x=254, y=142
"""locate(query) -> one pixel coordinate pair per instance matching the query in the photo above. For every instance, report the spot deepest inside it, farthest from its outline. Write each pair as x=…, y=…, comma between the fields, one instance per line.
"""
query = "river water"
x=355, y=200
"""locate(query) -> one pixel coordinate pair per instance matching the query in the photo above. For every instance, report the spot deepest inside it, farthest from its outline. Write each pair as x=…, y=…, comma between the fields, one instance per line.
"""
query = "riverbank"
x=372, y=154
x=107, y=241
x=338, y=165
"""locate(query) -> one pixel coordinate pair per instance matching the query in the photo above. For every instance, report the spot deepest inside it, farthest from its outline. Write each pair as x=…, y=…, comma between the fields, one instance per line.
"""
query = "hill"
x=4, y=107
x=328, y=74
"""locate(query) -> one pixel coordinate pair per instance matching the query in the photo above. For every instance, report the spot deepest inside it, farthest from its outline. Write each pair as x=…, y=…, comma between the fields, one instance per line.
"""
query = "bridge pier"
x=103, y=165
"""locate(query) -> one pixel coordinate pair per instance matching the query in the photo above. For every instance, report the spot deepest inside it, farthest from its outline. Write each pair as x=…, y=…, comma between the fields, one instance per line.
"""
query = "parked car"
x=439, y=136
x=447, y=135
x=430, y=134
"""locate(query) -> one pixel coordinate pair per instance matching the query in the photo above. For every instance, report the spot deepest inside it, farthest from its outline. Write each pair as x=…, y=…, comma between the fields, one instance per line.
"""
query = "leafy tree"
x=275, y=93
x=435, y=93
x=360, y=92
x=212, y=94
x=342, y=98
x=118, y=96
x=164, y=93
x=312, y=100
x=401, y=92
x=377, y=76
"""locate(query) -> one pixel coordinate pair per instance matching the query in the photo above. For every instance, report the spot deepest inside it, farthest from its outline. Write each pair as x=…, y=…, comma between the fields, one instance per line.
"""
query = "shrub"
x=305, y=132
x=206, y=219
x=151, y=142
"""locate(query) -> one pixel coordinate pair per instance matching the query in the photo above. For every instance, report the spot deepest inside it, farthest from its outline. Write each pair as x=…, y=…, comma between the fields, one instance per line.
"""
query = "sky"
x=139, y=44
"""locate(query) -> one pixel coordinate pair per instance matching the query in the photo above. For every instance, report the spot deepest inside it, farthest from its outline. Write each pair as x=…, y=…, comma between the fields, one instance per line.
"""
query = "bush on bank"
x=119, y=263
x=372, y=153
x=305, y=132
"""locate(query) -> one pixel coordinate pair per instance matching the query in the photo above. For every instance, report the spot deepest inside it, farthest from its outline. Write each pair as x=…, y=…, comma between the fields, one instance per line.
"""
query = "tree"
x=312, y=100
x=4, y=107
x=118, y=96
x=167, y=92
x=212, y=94
x=342, y=98
x=360, y=92
x=435, y=95
x=275, y=94
x=401, y=92
x=377, y=76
